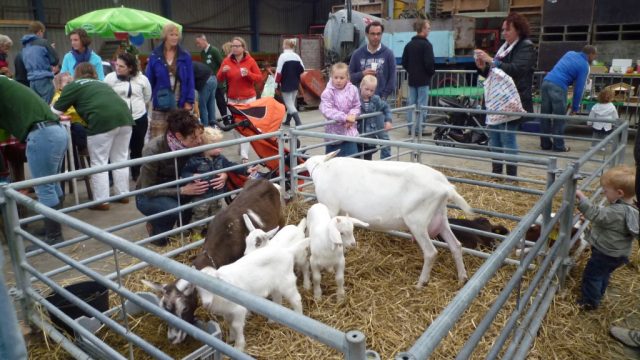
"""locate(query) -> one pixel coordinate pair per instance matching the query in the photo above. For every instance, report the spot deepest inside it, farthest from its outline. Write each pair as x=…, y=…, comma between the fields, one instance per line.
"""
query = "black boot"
x=512, y=170
x=496, y=168
x=52, y=232
x=288, y=120
x=296, y=118
x=39, y=229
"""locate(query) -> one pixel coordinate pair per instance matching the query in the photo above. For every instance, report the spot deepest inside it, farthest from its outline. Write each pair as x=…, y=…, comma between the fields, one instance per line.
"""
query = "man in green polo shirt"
x=26, y=116
x=109, y=124
x=213, y=58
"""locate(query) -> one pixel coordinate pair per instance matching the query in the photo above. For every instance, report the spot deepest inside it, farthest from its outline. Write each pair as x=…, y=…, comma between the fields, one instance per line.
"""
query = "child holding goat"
x=380, y=124
x=340, y=101
x=613, y=229
x=210, y=160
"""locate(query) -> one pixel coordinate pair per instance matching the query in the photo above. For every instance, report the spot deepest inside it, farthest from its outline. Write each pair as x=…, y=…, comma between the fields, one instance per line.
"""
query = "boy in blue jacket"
x=378, y=125
x=210, y=160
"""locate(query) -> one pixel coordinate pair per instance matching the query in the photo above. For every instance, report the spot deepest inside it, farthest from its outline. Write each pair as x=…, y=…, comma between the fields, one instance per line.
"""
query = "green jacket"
x=613, y=227
x=213, y=58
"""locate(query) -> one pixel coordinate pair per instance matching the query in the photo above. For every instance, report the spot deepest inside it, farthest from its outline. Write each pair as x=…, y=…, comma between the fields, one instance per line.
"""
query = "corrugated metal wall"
x=220, y=20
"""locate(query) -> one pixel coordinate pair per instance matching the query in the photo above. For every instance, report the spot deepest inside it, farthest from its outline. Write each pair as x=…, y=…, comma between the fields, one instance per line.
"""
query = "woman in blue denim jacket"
x=169, y=69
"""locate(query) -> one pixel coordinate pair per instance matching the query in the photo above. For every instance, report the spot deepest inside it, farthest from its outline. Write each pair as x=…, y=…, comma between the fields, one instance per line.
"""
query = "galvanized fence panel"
x=533, y=300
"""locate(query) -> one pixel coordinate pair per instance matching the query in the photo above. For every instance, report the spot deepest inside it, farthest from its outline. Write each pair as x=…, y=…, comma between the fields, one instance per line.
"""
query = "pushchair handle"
x=227, y=123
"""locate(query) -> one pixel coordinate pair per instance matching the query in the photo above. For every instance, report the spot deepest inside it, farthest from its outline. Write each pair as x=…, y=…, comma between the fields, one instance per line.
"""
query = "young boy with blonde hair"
x=613, y=229
x=370, y=103
x=206, y=162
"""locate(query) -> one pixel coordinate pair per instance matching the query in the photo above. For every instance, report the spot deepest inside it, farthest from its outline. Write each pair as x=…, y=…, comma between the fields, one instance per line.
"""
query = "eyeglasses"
x=375, y=34
x=236, y=46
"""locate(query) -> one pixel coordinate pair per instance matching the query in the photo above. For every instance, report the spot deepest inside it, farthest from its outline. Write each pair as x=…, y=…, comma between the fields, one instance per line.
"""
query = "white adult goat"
x=328, y=237
x=391, y=195
x=287, y=236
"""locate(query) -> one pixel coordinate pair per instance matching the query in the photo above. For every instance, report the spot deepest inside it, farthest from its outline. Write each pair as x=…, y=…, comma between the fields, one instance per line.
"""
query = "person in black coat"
x=419, y=62
x=517, y=58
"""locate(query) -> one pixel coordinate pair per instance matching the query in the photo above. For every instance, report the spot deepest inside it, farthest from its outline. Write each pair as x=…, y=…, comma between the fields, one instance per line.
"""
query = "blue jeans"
x=347, y=148
x=370, y=125
x=153, y=205
x=554, y=101
x=504, y=142
x=44, y=88
x=207, y=99
x=419, y=96
x=45, y=151
x=595, y=278
x=11, y=342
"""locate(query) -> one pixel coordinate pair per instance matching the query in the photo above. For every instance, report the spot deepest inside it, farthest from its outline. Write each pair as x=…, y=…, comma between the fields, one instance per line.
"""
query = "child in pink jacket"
x=340, y=101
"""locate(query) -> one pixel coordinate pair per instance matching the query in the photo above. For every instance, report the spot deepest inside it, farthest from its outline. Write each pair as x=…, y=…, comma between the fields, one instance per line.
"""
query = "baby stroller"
x=446, y=136
x=261, y=116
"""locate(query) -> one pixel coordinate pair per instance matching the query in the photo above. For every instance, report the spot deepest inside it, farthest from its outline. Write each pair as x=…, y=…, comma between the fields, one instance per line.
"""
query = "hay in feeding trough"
x=383, y=303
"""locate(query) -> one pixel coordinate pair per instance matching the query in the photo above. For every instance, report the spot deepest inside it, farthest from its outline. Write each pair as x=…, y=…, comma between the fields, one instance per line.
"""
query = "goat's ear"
x=359, y=222
x=334, y=234
x=248, y=223
x=300, y=167
x=331, y=155
x=273, y=232
x=158, y=288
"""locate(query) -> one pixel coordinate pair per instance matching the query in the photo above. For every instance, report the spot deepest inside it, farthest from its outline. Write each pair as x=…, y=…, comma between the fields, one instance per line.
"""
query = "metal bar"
x=520, y=331
x=193, y=331
x=139, y=161
x=440, y=327
x=535, y=325
x=442, y=244
x=117, y=328
x=58, y=337
x=513, y=318
x=16, y=252
x=298, y=322
x=75, y=326
x=421, y=147
x=356, y=346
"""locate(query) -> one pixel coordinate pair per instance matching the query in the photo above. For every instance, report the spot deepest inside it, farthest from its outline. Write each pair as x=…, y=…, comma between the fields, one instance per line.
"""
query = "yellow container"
x=399, y=6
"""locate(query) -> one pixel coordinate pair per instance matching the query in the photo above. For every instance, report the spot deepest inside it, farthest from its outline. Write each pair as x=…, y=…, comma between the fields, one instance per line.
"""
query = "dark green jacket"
x=213, y=58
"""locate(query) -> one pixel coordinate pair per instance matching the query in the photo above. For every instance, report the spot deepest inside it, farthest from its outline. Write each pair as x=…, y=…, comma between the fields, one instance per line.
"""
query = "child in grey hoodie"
x=613, y=229
x=604, y=109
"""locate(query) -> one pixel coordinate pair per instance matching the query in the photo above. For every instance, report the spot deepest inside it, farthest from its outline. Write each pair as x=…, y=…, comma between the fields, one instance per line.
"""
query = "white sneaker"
x=628, y=337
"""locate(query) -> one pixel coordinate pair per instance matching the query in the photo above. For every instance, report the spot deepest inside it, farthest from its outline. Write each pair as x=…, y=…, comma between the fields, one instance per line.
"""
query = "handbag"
x=501, y=94
x=166, y=100
x=269, y=89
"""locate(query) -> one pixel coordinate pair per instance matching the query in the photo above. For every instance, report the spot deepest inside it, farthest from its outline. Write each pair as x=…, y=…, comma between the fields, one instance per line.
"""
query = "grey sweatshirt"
x=613, y=227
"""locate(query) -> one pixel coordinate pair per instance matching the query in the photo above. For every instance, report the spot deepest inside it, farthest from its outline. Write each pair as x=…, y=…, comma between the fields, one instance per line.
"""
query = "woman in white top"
x=134, y=88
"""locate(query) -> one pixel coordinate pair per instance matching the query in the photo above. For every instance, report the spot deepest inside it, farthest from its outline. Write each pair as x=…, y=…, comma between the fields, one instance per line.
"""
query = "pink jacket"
x=336, y=104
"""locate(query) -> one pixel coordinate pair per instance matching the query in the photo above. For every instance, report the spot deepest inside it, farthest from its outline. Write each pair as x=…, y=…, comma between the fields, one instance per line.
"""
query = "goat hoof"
x=463, y=280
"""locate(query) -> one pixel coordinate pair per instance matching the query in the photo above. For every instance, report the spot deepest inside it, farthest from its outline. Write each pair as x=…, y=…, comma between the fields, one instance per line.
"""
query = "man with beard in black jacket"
x=419, y=62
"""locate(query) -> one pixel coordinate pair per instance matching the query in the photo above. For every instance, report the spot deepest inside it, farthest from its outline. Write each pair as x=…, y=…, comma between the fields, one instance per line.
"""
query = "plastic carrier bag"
x=269, y=87
x=501, y=94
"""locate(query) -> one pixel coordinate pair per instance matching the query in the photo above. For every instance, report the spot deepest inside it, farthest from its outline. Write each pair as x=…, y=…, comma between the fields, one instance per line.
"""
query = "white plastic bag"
x=501, y=94
x=269, y=89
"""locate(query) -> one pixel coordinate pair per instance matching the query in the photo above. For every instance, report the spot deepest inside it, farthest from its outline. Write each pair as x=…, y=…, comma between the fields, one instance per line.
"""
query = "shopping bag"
x=501, y=94
x=269, y=87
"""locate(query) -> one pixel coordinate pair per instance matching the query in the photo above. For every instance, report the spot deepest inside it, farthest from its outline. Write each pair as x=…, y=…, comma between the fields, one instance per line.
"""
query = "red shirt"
x=238, y=86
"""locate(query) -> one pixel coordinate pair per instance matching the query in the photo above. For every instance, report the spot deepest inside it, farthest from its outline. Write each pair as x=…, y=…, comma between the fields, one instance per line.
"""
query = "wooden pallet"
x=372, y=8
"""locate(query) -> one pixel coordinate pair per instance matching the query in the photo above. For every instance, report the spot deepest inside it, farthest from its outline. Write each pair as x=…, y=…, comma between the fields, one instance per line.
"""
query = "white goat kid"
x=328, y=238
x=265, y=272
x=287, y=236
x=391, y=195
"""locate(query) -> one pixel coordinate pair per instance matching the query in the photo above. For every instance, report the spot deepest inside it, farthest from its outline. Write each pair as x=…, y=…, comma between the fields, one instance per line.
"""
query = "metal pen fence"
x=550, y=266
